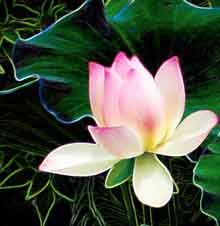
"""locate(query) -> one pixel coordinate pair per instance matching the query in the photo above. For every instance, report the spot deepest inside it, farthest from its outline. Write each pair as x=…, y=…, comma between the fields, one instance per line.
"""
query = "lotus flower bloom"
x=138, y=116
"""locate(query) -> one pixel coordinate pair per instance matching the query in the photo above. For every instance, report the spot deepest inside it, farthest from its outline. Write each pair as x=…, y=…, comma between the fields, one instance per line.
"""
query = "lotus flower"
x=138, y=116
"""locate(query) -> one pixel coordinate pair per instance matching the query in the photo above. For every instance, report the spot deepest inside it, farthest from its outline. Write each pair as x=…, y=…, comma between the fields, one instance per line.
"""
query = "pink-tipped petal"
x=78, y=159
x=120, y=141
x=152, y=182
x=96, y=90
x=112, y=86
x=170, y=82
x=141, y=107
x=136, y=63
x=121, y=64
x=189, y=134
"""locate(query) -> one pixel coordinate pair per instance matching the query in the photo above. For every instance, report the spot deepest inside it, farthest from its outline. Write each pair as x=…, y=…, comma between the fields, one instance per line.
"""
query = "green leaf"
x=207, y=173
x=44, y=204
x=152, y=30
x=138, y=16
x=37, y=185
x=204, y=95
x=16, y=179
x=3, y=12
x=207, y=177
x=60, y=55
x=2, y=71
x=63, y=187
x=2, y=158
x=15, y=84
x=215, y=146
x=10, y=36
x=178, y=15
x=18, y=85
x=119, y=173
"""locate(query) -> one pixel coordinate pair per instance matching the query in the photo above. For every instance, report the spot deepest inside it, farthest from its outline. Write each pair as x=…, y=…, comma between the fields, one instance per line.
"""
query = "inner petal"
x=141, y=107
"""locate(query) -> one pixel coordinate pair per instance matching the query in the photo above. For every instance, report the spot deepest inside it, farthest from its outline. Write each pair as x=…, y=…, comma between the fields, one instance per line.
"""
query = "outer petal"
x=189, y=134
x=120, y=141
x=112, y=86
x=142, y=107
x=96, y=90
x=78, y=159
x=152, y=182
x=170, y=82
x=121, y=64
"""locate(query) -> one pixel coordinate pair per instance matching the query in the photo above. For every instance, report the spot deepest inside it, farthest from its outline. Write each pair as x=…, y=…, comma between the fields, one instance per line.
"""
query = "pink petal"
x=78, y=159
x=141, y=107
x=96, y=90
x=189, y=134
x=170, y=82
x=112, y=86
x=152, y=182
x=136, y=63
x=121, y=64
x=120, y=141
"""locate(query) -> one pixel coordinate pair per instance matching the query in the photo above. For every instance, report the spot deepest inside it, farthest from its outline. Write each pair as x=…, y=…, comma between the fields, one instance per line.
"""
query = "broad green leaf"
x=114, y=7
x=207, y=173
x=204, y=95
x=60, y=55
x=18, y=85
x=14, y=84
x=215, y=147
x=119, y=173
x=177, y=15
x=207, y=177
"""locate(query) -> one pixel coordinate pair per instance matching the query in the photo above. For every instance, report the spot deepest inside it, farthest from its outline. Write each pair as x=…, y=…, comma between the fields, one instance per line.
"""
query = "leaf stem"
x=172, y=213
x=169, y=215
x=143, y=213
x=174, y=210
x=126, y=201
x=151, y=217
x=210, y=3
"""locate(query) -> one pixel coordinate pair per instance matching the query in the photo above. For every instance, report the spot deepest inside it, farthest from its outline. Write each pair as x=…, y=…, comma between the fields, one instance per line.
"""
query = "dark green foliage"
x=21, y=19
x=58, y=57
x=207, y=177
x=64, y=84
x=60, y=54
x=28, y=133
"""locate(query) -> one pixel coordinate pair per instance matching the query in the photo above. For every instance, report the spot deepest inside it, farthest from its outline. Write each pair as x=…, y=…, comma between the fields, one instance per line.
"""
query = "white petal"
x=170, y=82
x=78, y=159
x=152, y=182
x=189, y=134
